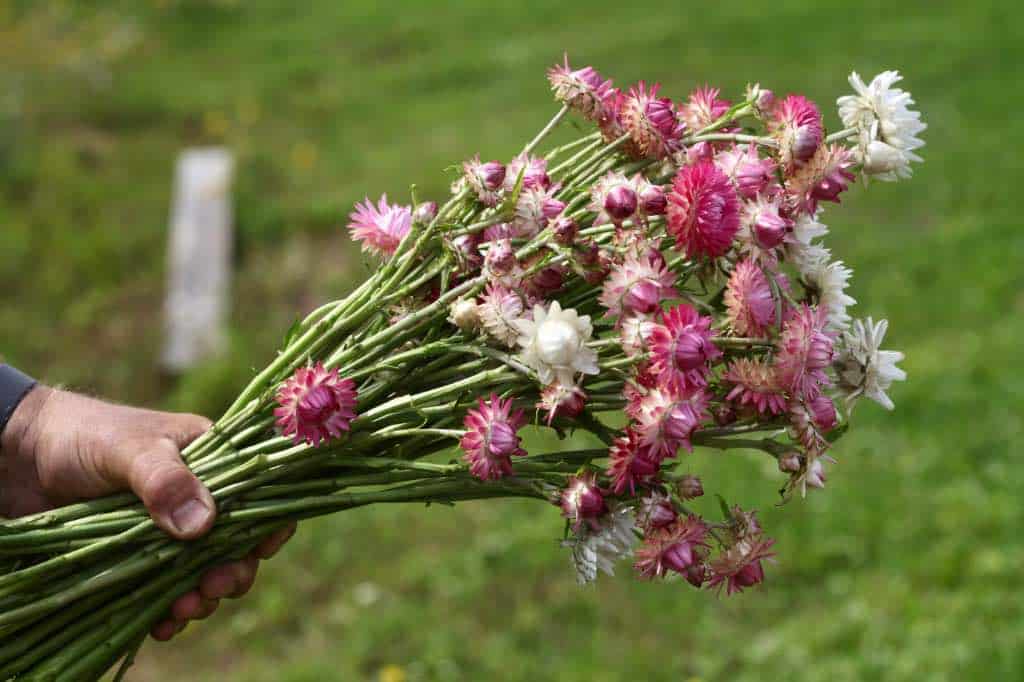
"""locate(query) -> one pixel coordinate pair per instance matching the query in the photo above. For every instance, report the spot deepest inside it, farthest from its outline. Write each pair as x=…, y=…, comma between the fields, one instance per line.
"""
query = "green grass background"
x=907, y=567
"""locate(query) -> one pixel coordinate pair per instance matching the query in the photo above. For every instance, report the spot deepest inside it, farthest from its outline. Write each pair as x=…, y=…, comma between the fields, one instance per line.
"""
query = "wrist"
x=21, y=435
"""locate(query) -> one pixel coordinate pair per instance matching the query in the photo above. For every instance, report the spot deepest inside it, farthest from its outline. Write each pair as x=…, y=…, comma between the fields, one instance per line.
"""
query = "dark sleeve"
x=14, y=386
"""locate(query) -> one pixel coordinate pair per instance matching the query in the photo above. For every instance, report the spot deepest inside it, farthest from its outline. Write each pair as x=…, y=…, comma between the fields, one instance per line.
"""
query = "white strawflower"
x=807, y=228
x=882, y=114
x=554, y=344
x=598, y=550
x=865, y=369
x=465, y=314
x=831, y=280
x=808, y=259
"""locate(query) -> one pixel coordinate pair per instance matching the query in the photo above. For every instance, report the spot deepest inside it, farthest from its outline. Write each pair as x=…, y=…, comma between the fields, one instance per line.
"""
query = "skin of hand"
x=60, y=447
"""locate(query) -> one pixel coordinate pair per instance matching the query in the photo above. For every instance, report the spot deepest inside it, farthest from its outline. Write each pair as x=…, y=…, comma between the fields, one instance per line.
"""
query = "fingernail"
x=191, y=516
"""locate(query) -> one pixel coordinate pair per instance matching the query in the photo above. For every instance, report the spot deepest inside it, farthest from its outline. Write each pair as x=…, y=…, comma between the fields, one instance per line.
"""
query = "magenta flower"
x=797, y=125
x=534, y=170
x=379, y=228
x=565, y=229
x=638, y=285
x=767, y=226
x=666, y=418
x=754, y=384
x=581, y=89
x=629, y=464
x=651, y=197
x=703, y=108
x=652, y=122
x=613, y=198
x=485, y=179
x=703, y=211
x=656, y=511
x=315, y=405
x=582, y=501
x=739, y=566
x=751, y=174
x=804, y=350
x=490, y=440
x=824, y=178
x=750, y=307
x=535, y=207
x=681, y=347
x=674, y=548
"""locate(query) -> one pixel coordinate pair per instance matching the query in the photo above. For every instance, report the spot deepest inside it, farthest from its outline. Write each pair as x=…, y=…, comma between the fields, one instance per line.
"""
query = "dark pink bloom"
x=620, y=203
x=629, y=464
x=703, y=211
x=651, y=121
x=565, y=229
x=485, y=179
x=638, y=285
x=379, y=228
x=666, y=418
x=674, y=548
x=703, y=108
x=823, y=178
x=803, y=351
x=797, y=125
x=681, y=347
x=562, y=401
x=750, y=307
x=652, y=199
x=755, y=385
x=739, y=566
x=582, y=89
x=610, y=119
x=656, y=511
x=751, y=174
x=491, y=440
x=582, y=501
x=315, y=405
x=613, y=198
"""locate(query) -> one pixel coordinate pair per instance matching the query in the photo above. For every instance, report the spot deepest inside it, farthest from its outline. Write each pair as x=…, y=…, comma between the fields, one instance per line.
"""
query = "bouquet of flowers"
x=658, y=282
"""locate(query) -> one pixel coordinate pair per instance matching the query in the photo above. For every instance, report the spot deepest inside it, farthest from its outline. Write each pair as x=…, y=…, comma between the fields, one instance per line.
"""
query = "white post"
x=199, y=263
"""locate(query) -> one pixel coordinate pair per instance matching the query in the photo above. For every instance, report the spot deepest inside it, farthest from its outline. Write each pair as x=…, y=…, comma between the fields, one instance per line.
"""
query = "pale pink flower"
x=379, y=228
x=485, y=179
x=750, y=173
x=656, y=511
x=490, y=440
x=750, y=307
x=613, y=198
x=651, y=121
x=754, y=384
x=796, y=124
x=673, y=548
x=534, y=170
x=703, y=108
x=666, y=417
x=638, y=285
x=536, y=206
x=804, y=351
x=681, y=347
x=581, y=89
x=635, y=333
x=499, y=309
x=562, y=401
x=630, y=464
x=315, y=405
x=582, y=501
x=425, y=212
x=703, y=211
x=823, y=178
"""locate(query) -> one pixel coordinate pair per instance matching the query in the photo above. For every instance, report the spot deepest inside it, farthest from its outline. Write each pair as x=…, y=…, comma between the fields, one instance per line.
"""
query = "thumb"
x=178, y=501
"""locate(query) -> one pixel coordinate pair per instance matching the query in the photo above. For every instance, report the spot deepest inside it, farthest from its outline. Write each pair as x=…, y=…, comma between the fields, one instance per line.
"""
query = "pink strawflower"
x=823, y=178
x=501, y=257
x=425, y=212
x=546, y=281
x=666, y=418
x=739, y=566
x=485, y=179
x=629, y=464
x=638, y=285
x=315, y=405
x=466, y=248
x=635, y=333
x=379, y=228
x=673, y=548
x=609, y=120
x=582, y=89
x=535, y=207
x=767, y=227
x=703, y=211
x=613, y=198
x=681, y=347
x=534, y=170
x=582, y=501
x=804, y=350
x=751, y=174
x=755, y=385
x=499, y=308
x=651, y=121
x=823, y=412
x=703, y=108
x=565, y=229
x=490, y=440
x=750, y=307
x=656, y=511
x=562, y=401
x=797, y=125
x=651, y=197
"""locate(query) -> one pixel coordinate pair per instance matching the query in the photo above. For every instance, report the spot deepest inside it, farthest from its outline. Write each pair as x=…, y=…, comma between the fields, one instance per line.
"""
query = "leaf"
x=292, y=333
x=726, y=511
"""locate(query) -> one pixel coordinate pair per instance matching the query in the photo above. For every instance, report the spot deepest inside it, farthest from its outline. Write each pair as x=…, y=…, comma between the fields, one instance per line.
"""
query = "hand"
x=60, y=447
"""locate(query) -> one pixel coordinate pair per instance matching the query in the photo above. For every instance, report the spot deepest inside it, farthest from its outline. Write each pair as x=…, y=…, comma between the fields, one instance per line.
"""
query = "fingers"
x=185, y=428
x=178, y=502
x=193, y=606
x=273, y=542
x=229, y=580
x=166, y=629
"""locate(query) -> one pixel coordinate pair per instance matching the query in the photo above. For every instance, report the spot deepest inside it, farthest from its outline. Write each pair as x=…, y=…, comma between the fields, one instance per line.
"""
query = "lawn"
x=904, y=568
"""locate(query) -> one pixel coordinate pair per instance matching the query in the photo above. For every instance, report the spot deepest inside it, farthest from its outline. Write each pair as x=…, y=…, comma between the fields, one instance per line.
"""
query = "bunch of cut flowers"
x=658, y=282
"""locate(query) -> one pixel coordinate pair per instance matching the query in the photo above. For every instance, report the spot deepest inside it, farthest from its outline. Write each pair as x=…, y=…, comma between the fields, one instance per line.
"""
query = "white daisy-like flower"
x=882, y=114
x=831, y=280
x=865, y=369
x=598, y=550
x=799, y=246
x=809, y=258
x=554, y=344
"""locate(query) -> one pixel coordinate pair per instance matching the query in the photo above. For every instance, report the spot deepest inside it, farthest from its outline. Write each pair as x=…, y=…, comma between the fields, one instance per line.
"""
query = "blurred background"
x=905, y=568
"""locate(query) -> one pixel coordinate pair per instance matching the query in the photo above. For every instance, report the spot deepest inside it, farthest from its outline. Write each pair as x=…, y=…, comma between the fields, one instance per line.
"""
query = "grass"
x=905, y=568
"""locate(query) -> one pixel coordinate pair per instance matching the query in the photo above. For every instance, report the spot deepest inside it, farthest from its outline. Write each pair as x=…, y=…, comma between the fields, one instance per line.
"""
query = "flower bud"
x=500, y=257
x=643, y=297
x=465, y=314
x=660, y=513
x=653, y=201
x=689, y=487
x=492, y=175
x=565, y=230
x=789, y=463
x=678, y=557
x=582, y=499
x=770, y=228
x=425, y=213
x=620, y=203
x=823, y=411
x=696, y=573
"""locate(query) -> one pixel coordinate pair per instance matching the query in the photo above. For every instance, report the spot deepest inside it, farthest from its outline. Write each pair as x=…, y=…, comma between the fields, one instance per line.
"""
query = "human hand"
x=60, y=447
